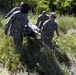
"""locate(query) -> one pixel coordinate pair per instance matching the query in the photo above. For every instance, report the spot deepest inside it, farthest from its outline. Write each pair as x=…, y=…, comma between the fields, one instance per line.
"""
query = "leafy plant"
x=55, y=61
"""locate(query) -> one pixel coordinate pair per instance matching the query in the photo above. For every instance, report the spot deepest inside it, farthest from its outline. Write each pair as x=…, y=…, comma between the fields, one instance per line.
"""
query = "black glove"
x=5, y=32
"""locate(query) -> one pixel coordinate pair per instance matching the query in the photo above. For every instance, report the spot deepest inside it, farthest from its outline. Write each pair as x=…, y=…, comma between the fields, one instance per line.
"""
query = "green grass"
x=66, y=23
x=55, y=61
x=33, y=18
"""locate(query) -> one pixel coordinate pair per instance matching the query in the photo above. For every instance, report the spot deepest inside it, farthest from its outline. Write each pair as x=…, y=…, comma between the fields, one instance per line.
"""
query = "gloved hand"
x=5, y=17
x=5, y=32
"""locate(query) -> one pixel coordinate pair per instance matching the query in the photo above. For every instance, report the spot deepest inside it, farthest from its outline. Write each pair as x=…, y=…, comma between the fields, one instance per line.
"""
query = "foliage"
x=8, y=57
x=42, y=5
x=56, y=61
x=61, y=6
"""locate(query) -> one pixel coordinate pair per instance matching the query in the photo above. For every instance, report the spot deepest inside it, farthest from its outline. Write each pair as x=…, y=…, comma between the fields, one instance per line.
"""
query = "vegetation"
x=60, y=60
x=60, y=6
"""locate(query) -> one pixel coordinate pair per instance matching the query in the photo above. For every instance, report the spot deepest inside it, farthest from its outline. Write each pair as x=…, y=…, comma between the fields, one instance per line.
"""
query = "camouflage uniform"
x=13, y=10
x=41, y=19
x=48, y=32
x=16, y=23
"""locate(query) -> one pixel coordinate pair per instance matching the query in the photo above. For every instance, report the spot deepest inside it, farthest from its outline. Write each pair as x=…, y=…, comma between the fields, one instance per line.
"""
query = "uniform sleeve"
x=56, y=26
x=38, y=21
x=9, y=22
x=10, y=13
x=48, y=16
x=44, y=27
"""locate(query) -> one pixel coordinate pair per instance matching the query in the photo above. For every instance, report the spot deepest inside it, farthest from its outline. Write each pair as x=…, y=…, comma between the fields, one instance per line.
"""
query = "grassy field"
x=60, y=60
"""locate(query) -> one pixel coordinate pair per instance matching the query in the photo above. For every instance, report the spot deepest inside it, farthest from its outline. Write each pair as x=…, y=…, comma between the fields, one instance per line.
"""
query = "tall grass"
x=66, y=23
x=58, y=60
x=32, y=18
x=2, y=21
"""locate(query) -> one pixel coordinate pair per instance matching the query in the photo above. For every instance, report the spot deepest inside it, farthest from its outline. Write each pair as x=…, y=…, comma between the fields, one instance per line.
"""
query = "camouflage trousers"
x=18, y=42
x=47, y=43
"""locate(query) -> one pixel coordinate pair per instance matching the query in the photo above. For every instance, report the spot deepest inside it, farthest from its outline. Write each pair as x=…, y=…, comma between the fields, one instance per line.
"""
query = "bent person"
x=41, y=19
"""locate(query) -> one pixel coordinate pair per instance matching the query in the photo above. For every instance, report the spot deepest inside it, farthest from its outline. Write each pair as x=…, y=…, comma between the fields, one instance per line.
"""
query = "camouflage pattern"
x=41, y=19
x=32, y=31
x=48, y=31
x=13, y=10
x=16, y=23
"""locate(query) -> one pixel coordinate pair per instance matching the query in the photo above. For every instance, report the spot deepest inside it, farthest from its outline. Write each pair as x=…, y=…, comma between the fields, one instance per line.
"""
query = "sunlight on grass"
x=63, y=47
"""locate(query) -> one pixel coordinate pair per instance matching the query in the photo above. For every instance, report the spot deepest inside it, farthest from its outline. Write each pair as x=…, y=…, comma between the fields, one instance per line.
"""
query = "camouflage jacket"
x=48, y=29
x=41, y=19
x=16, y=22
x=12, y=11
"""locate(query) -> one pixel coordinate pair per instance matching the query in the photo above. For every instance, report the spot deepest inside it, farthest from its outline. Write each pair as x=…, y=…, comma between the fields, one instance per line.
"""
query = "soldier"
x=16, y=8
x=16, y=24
x=41, y=19
x=48, y=29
